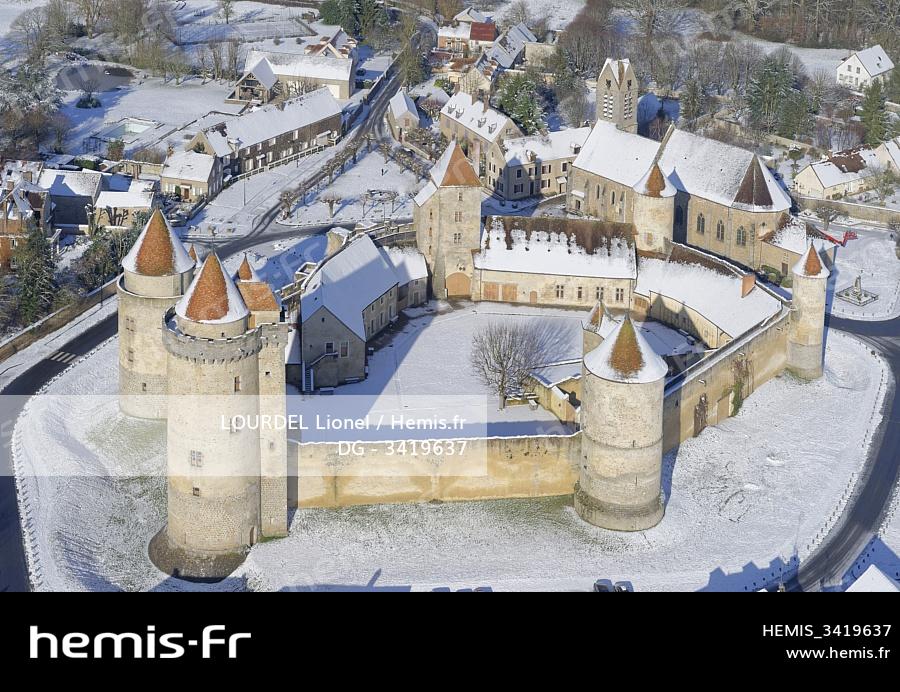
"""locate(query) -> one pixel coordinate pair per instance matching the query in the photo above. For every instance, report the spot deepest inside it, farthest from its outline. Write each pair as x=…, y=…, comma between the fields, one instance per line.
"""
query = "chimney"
x=747, y=283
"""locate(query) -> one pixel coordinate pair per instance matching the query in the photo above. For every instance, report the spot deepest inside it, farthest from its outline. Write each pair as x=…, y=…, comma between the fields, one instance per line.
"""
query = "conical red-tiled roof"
x=209, y=298
x=245, y=271
x=155, y=256
x=458, y=171
x=813, y=265
x=656, y=182
x=192, y=253
x=626, y=356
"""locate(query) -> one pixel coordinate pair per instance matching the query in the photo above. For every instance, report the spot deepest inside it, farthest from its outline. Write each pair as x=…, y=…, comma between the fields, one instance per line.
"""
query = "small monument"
x=857, y=295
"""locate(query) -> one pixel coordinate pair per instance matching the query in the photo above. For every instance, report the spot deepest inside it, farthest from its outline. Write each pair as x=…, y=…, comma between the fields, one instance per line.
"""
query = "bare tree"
x=385, y=150
x=504, y=355
x=884, y=182
x=331, y=198
x=91, y=11
x=287, y=198
x=32, y=30
x=226, y=7
x=216, y=59
x=650, y=16
x=234, y=55
x=827, y=214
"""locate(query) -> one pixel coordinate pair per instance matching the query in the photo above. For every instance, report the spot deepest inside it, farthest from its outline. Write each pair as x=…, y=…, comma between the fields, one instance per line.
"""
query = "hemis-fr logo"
x=212, y=643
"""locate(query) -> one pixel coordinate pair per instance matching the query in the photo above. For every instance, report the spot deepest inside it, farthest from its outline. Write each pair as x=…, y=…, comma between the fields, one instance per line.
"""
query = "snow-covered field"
x=752, y=491
x=370, y=173
x=872, y=257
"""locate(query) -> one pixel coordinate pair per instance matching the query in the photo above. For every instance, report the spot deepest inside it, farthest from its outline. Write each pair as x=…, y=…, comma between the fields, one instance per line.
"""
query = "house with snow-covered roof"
x=475, y=125
x=191, y=176
x=270, y=73
x=351, y=297
x=269, y=134
x=846, y=172
x=863, y=67
x=402, y=115
x=534, y=166
x=22, y=203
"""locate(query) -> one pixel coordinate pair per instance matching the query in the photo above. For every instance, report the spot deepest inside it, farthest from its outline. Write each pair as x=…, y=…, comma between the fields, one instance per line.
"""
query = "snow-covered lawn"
x=757, y=488
x=148, y=98
x=370, y=173
x=872, y=257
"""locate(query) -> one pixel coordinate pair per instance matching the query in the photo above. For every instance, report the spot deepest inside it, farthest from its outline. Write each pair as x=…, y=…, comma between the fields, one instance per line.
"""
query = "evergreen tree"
x=518, y=96
x=795, y=116
x=768, y=90
x=692, y=100
x=35, y=271
x=874, y=116
x=370, y=17
x=331, y=12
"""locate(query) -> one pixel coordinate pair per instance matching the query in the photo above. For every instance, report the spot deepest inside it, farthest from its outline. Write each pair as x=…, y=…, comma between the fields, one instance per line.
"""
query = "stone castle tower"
x=226, y=469
x=807, y=329
x=447, y=218
x=617, y=94
x=654, y=211
x=156, y=273
x=620, y=475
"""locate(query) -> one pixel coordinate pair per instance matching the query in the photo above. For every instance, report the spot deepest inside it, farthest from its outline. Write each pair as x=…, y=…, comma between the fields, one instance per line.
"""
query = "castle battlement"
x=209, y=350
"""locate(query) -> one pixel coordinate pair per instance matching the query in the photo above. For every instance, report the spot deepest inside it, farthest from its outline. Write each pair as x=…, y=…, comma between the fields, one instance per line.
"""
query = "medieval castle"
x=197, y=345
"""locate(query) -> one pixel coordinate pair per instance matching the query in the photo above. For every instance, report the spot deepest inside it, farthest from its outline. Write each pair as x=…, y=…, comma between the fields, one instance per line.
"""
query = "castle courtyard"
x=752, y=490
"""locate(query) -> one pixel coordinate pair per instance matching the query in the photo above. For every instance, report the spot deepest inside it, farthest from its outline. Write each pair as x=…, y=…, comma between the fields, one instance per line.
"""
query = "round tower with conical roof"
x=654, y=211
x=806, y=335
x=156, y=273
x=620, y=475
x=212, y=445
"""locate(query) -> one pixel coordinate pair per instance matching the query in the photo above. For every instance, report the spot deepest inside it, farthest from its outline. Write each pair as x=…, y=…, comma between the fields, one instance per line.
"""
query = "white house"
x=863, y=67
x=847, y=172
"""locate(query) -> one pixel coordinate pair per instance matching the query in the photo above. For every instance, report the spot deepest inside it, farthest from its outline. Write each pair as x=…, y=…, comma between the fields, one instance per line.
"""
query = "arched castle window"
x=741, y=236
x=613, y=197
x=720, y=231
x=701, y=224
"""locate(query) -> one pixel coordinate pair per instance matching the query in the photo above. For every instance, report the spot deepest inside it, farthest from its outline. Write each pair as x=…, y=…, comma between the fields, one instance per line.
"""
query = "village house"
x=328, y=62
x=122, y=201
x=475, y=126
x=22, y=203
x=191, y=176
x=402, y=115
x=534, y=166
x=864, y=67
x=847, y=172
x=350, y=298
x=506, y=53
x=271, y=133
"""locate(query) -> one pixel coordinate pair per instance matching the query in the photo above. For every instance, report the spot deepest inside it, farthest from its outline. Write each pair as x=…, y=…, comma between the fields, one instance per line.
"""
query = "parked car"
x=624, y=586
x=603, y=586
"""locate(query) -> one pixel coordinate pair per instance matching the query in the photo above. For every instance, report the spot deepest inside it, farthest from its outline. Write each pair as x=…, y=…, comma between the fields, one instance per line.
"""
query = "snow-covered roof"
x=891, y=149
x=873, y=580
x=247, y=272
x=157, y=250
x=348, y=282
x=264, y=123
x=625, y=356
x=470, y=14
x=655, y=183
x=795, y=235
x=561, y=247
x=425, y=194
x=874, y=60
x=714, y=294
x=136, y=197
x=189, y=165
x=459, y=31
x=293, y=65
x=509, y=47
x=401, y=104
x=617, y=67
x=846, y=166
x=702, y=167
x=408, y=264
x=71, y=183
x=554, y=145
x=14, y=170
x=476, y=116
x=557, y=373
x=264, y=73
x=212, y=297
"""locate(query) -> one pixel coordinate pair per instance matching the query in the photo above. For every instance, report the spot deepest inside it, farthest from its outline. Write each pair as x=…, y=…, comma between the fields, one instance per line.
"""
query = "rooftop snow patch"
x=401, y=104
x=409, y=264
x=564, y=247
x=157, y=251
x=874, y=59
x=846, y=166
x=188, y=165
x=299, y=66
x=655, y=184
x=554, y=145
x=714, y=293
x=71, y=183
x=212, y=296
x=348, y=282
x=625, y=356
x=873, y=580
x=795, y=235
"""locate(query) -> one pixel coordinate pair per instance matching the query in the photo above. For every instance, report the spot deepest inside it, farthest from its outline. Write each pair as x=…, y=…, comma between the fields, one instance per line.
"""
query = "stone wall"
x=541, y=289
x=706, y=395
x=488, y=469
x=864, y=212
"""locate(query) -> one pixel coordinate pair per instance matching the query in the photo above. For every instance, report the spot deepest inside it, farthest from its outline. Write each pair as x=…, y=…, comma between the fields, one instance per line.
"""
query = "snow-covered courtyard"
x=871, y=257
x=756, y=489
